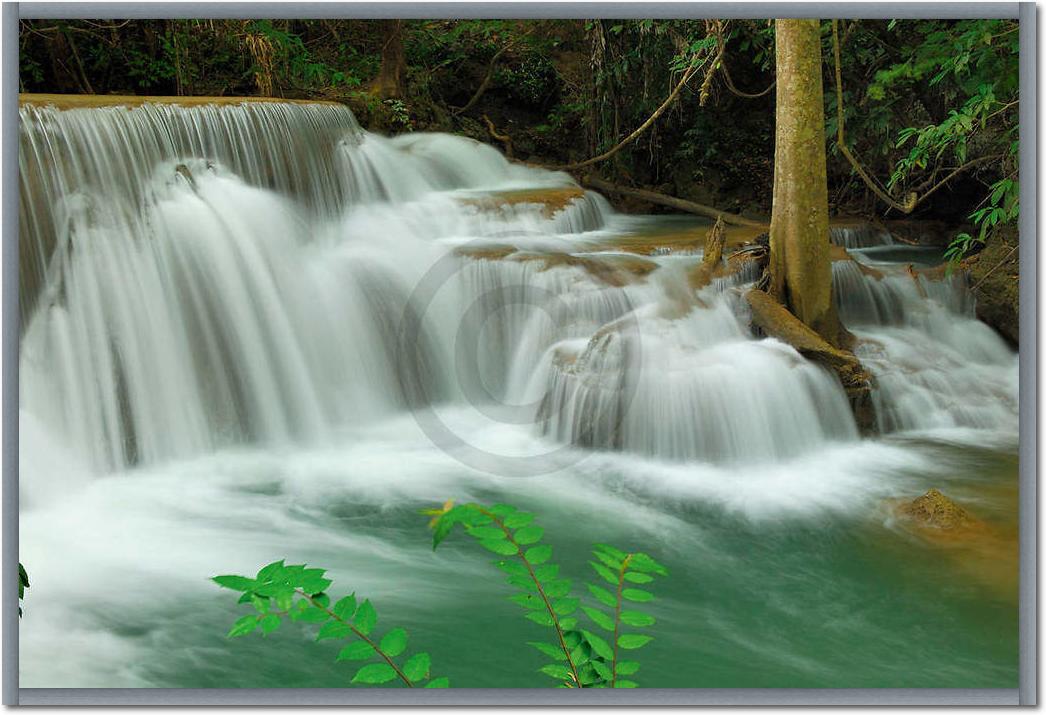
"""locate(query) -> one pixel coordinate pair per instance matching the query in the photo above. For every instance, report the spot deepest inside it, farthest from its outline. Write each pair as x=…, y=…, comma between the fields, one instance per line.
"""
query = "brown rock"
x=938, y=511
x=995, y=281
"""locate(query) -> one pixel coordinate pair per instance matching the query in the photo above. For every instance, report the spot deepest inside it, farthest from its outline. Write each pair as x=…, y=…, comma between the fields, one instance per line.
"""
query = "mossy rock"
x=933, y=509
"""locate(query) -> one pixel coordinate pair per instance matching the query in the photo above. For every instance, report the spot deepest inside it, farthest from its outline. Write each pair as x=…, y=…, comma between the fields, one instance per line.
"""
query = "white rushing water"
x=214, y=304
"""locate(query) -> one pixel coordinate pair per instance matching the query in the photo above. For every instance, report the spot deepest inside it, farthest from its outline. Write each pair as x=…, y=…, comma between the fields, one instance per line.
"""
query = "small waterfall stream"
x=214, y=304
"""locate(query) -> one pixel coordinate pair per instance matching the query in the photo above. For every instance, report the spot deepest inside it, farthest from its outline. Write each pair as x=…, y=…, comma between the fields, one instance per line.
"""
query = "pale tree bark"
x=389, y=82
x=800, y=262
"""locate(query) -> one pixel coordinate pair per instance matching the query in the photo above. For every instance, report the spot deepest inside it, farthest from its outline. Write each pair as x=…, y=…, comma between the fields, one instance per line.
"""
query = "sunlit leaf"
x=374, y=673
x=394, y=642
x=631, y=641
x=366, y=618
x=357, y=650
x=417, y=667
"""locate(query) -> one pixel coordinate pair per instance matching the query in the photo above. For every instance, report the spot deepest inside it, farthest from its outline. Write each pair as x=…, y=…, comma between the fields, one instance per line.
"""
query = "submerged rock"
x=935, y=510
x=551, y=199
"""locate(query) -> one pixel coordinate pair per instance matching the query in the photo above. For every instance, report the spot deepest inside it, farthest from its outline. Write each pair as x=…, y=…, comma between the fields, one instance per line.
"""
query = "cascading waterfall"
x=216, y=366
x=936, y=365
x=228, y=274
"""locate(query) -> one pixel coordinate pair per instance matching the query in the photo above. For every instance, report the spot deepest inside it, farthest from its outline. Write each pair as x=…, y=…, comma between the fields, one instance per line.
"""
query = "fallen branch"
x=670, y=201
x=505, y=139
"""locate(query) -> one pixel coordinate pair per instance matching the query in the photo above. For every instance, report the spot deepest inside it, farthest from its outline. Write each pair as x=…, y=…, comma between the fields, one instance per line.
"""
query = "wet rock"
x=995, y=283
x=935, y=510
x=774, y=320
x=552, y=200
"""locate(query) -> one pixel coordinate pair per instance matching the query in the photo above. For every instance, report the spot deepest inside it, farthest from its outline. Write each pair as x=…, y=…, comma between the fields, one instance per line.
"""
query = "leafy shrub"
x=579, y=656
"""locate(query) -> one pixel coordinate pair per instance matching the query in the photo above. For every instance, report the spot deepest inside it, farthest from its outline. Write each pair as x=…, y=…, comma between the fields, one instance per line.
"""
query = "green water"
x=824, y=598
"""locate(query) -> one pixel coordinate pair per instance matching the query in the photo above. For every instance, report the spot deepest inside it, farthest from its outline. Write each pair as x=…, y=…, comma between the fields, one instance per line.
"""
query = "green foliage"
x=23, y=584
x=296, y=592
x=581, y=656
x=586, y=657
x=970, y=67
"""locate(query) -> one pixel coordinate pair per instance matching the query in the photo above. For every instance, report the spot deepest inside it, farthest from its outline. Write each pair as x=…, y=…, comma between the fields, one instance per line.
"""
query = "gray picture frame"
x=1025, y=694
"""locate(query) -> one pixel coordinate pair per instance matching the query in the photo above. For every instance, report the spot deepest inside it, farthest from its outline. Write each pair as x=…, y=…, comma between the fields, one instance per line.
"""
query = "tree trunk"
x=389, y=82
x=800, y=264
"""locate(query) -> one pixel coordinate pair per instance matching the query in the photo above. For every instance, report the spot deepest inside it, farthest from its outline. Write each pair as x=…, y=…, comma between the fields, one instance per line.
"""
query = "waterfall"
x=935, y=364
x=196, y=278
x=861, y=235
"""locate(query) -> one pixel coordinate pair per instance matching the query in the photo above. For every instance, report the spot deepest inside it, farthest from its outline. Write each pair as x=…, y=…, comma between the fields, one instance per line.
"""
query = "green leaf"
x=502, y=510
x=604, y=596
x=636, y=577
x=603, y=669
x=600, y=646
x=374, y=673
x=558, y=588
x=636, y=618
x=588, y=674
x=559, y=672
x=357, y=650
x=565, y=606
x=345, y=607
x=236, y=583
x=243, y=626
x=631, y=641
x=310, y=614
x=366, y=618
x=513, y=568
x=627, y=667
x=518, y=520
x=285, y=599
x=315, y=584
x=608, y=560
x=625, y=684
x=261, y=605
x=637, y=595
x=568, y=624
x=608, y=575
x=487, y=532
x=333, y=629
x=417, y=667
x=546, y=572
x=528, y=600
x=552, y=651
x=269, y=572
x=504, y=548
x=269, y=623
x=642, y=562
x=440, y=531
x=539, y=617
x=581, y=654
x=438, y=683
x=599, y=618
x=524, y=582
x=394, y=642
x=608, y=549
x=539, y=554
x=529, y=535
